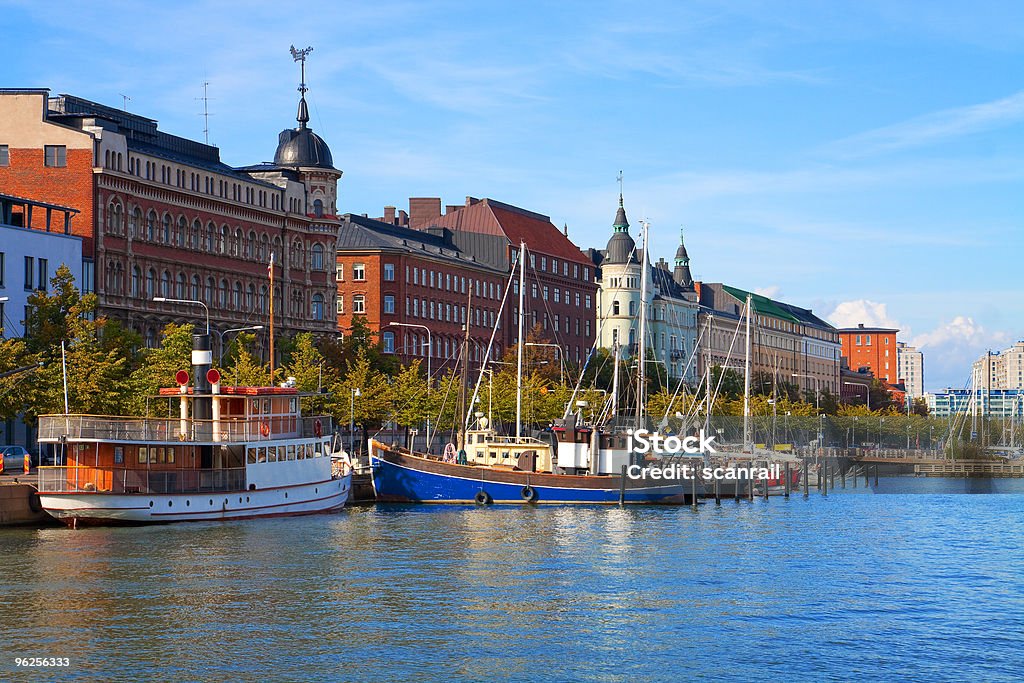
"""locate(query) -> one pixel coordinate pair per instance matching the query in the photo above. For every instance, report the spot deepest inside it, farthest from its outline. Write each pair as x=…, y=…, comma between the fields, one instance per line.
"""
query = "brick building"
x=416, y=290
x=873, y=348
x=560, y=286
x=161, y=215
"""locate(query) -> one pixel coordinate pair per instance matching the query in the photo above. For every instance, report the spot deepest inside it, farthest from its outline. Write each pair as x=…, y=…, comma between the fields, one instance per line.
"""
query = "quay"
x=970, y=468
x=19, y=502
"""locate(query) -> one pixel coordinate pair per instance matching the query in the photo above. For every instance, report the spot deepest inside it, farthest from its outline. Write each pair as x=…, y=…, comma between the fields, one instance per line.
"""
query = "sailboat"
x=585, y=466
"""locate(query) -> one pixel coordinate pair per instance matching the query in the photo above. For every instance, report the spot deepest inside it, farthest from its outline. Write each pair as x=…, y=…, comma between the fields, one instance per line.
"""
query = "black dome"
x=621, y=249
x=302, y=147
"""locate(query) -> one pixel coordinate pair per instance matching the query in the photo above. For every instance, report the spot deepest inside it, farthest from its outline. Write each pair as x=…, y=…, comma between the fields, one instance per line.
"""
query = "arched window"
x=179, y=234
x=316, y=256
x=222, y=293
x=114, y=218
x=134, y=222
x=264, y=254
x=295, y=259
x=210, y=230
x=263, y=299
x=165, y=235
x=165, y=284
x=236, y=245
x=278, y=248
x=317, y=310
x=250, y=245
x=236, y=297
x=197, y=235
x=136, y=281
x=150, y=283
x=318, y=208
x=250, y=297
x=389, y=341
x=151, y=226
x=194, y=294
x=179, y=291
x=211, y=287
x=222, y=240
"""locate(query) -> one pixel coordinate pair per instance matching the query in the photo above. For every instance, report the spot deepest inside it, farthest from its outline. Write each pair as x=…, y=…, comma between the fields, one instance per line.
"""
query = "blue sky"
x=863, y=159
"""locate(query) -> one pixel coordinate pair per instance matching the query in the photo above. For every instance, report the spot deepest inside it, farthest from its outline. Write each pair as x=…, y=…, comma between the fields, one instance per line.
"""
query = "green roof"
x=777, y=309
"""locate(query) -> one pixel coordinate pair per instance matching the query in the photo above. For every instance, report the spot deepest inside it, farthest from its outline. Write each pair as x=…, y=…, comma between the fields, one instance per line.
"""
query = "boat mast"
x=519, y=345
x=461, y=436
x=707, y=377
x=642, y=351
x=747, y=445
x=615, y=379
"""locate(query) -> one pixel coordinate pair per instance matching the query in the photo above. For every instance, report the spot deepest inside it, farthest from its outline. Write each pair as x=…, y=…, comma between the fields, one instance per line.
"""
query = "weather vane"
x=300, y=56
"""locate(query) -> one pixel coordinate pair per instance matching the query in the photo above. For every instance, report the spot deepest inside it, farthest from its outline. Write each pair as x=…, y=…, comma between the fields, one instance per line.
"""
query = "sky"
x=861, y=159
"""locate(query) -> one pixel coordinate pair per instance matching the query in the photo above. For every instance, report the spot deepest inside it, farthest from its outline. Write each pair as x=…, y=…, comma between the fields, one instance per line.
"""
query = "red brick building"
x=415, y=288
x=873, y=348
x=162, y=216
x=560, y=286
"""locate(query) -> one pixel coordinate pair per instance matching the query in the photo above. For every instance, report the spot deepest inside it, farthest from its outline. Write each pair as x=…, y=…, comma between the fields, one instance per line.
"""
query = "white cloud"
x=863, y=312
x=933, y=127
x=952, y=347
x=772, y=291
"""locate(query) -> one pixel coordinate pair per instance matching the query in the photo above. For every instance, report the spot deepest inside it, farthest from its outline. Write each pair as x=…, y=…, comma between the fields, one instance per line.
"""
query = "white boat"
x=230, y=453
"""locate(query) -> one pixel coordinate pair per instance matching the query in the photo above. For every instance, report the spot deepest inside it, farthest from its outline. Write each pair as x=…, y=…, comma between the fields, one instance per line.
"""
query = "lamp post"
x=817, y=396
x=190, y=302
x=430, y=354
x=352, y=421
x=561, y=377
x=867, y=392
x=220, y=337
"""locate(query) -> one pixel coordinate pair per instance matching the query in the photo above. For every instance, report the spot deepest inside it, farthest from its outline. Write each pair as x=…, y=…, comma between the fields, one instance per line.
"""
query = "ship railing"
x=122, y=480
x=55, y=428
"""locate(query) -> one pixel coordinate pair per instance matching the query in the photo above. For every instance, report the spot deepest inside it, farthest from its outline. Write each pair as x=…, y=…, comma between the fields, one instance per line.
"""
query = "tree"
x=409, y=397
x=311, y=372
x=159, y=366
x=373, y=405
x=246, y=370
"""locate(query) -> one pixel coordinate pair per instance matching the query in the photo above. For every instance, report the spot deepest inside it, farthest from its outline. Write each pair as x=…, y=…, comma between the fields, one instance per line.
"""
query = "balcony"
x=54, y=428
x=120, y=480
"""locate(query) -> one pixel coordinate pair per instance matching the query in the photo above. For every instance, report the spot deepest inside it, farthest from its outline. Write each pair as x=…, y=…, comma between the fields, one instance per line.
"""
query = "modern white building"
x=997, y=403
x=910, y=366
x=671, y=303
x=29, y=256
x=1000, y=369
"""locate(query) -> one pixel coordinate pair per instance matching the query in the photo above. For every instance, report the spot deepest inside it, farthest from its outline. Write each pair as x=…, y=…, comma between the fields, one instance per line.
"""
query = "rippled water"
x=880, y=587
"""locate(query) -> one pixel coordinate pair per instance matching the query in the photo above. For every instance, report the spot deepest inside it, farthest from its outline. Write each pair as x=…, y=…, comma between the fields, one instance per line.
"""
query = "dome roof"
x=681, y=254
x=302, y=147
x=621, y=249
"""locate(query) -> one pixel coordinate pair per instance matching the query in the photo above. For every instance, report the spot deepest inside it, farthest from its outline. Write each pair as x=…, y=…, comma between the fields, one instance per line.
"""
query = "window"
x=359, y=271
x=5, y=156
x=389, y=272
x=317, y=306
x=316, y=256
x=339, y=273
x=2, y=269
x=389, y=342
x=30, y=264
x=318, y=208
x=359, y=304
x=615, y=308
x=389, y=303
x=56, y=155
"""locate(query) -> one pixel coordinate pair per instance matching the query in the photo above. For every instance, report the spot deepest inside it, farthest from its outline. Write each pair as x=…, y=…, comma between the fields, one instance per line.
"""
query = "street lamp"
x=817, y=396
x=352, y=422
x=220, y=336
x=430, y=354
x=867, y=392
x=190, y=302
x=561, y=377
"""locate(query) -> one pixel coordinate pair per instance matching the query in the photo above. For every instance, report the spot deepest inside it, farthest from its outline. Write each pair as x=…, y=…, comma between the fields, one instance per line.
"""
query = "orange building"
x=873, y=348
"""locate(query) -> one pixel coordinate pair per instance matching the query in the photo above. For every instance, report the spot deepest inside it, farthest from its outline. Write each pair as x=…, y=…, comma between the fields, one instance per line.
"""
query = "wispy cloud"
x=931, y=128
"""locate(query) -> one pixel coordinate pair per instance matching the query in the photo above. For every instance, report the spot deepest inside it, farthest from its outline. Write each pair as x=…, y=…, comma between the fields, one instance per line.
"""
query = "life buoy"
x=449, y=452
x=318, y=428
x=265, y=428
x=483, y=498
x=529, y=494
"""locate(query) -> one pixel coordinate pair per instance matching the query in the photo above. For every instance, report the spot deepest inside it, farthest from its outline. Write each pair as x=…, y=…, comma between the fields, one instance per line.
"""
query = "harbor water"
x=850, y=586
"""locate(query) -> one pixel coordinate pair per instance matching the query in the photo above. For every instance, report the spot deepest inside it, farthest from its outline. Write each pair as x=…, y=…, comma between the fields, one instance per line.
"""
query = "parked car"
x=14, y=458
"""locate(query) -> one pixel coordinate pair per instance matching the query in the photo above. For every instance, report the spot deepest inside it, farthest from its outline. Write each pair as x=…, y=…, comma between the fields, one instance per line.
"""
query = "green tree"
x=411, y=406
x=246, y=370
x=372, y=407
x=158, y=368
x=311, y=372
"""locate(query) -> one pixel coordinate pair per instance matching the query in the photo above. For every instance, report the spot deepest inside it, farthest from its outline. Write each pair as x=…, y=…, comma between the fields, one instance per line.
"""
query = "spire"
x=300, y=56
x=681, y=273
x=565, y=229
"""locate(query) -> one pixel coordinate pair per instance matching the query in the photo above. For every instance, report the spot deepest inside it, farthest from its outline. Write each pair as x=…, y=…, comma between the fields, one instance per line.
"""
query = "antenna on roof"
x=206, y=111
x=124, y=101
x=300, y=56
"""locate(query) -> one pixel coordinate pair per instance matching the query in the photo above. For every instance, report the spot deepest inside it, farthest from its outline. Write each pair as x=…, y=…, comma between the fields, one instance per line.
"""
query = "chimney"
x=451, y=208
x=403, y=218
x=423, y=211
x=470, y=201
x=389, y=215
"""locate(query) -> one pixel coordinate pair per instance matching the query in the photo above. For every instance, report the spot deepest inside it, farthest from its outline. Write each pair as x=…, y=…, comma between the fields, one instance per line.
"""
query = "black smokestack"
x=202, y=361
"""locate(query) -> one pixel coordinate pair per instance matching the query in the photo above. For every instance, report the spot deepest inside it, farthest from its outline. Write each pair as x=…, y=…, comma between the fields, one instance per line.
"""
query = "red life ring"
x=265, y=428
x=318, y=428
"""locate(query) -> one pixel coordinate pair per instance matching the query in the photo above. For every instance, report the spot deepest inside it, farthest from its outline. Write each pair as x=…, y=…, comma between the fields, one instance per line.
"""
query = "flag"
x=270, y=266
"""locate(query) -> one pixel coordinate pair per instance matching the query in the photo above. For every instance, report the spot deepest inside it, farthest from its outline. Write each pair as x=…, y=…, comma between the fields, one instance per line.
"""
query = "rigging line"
x=721, y=376
x=682, y=377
